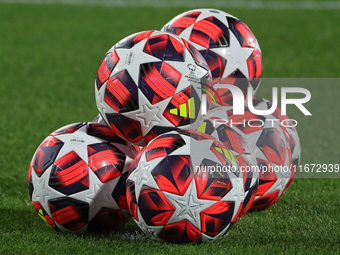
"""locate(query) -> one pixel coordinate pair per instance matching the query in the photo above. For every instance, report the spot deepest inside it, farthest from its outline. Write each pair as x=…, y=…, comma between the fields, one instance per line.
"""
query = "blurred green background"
x=49, y=55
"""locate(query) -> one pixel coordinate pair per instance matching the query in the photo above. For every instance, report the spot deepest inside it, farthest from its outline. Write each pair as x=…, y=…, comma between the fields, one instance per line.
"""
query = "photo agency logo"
x=239, y=104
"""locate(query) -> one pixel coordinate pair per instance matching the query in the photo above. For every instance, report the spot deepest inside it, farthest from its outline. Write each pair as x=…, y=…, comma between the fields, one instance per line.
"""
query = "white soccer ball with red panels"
x=77, y=179
x=227, y=44
x=179, y=188
x=150, y=83
x=264, y=199
x=237, y=144
x=276, y=148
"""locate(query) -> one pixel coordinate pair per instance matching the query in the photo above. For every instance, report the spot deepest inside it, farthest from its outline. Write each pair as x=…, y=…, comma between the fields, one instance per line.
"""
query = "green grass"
x=49, y=55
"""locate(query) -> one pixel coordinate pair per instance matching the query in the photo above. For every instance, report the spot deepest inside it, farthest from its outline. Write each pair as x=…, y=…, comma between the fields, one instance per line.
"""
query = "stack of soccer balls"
x=166, y=147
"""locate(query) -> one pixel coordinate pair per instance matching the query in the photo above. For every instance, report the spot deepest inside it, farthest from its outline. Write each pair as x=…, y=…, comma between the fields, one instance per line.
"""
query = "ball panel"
x=266, y=201
x=164, y=47
x=43, y=214
x=163, y=146
x=217, y=217
x=69, y=174
x=210, y=33
x=198, y=58
x=106, y=220
x=125, y=127
x=46, y=155
x=236, y=78
x=273, y=146
x=180, y=232
x=121, y=93
x=173, y=174
x=182, y=22
x=250, y=197
x=158, y=81
x=119, y=192
x=232, y=140
x=131, y=199
x=242, y=32
x=105, y=161
x=254, y=63
x=154, y=207
x=216, y=64
x=68, y=129
x=105, y=69
x=70, y=213
x=131, y=40
x=210, y=184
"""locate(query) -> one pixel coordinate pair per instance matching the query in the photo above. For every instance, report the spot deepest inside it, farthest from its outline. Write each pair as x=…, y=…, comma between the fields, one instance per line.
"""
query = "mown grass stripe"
x=257, y=4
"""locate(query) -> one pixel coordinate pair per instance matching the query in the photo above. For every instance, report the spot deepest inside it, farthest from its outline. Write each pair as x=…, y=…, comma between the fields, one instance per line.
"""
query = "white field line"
x=250, y=4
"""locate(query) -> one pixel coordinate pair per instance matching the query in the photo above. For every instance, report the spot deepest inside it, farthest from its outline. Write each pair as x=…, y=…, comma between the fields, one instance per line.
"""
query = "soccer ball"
x=184, y=186
x=269, y=144
x=293, y=144
x=227, y=44
x=126, y=146
x=150, y=83
x=77, y=179
x=236, y=143
x=288, y=128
